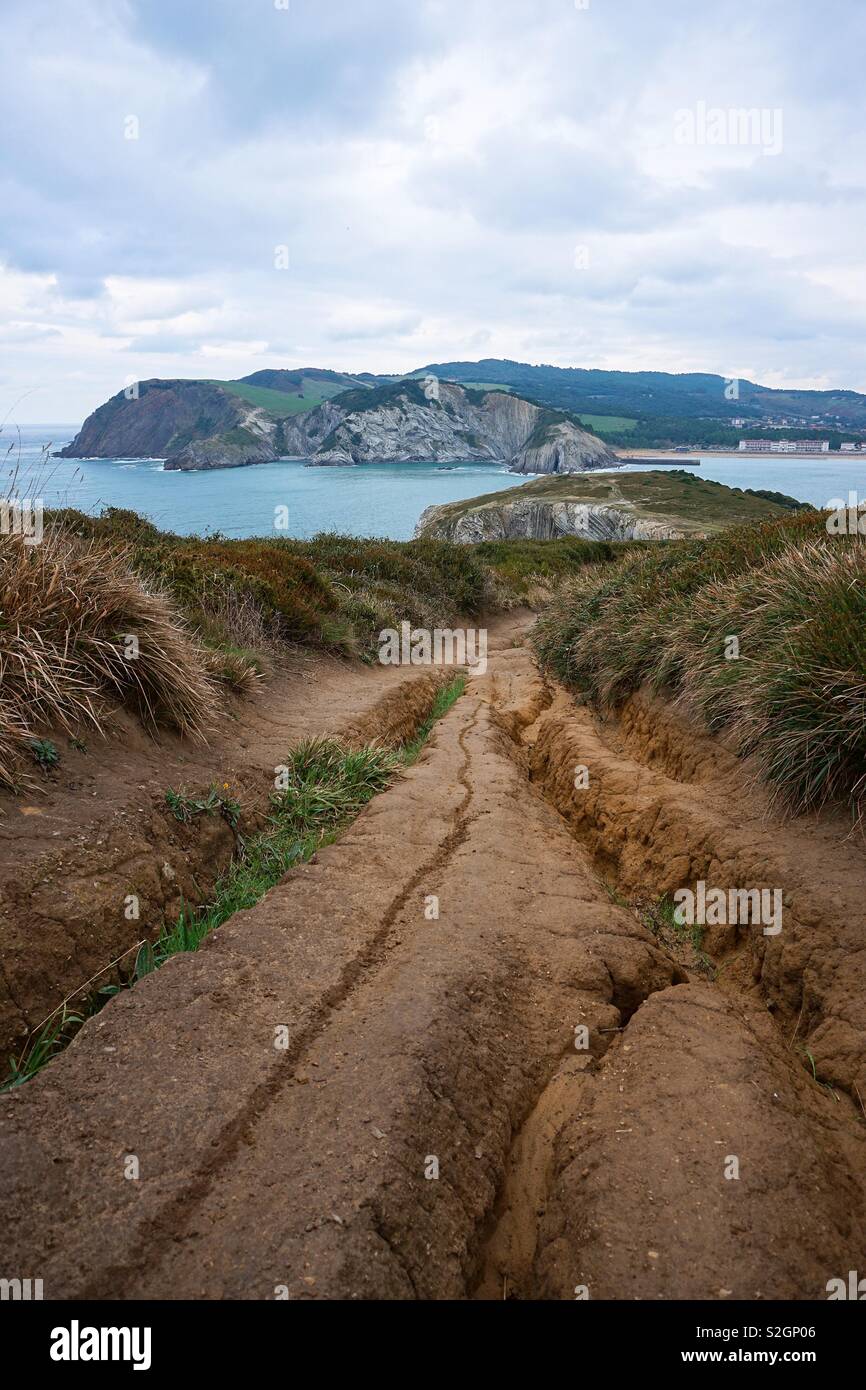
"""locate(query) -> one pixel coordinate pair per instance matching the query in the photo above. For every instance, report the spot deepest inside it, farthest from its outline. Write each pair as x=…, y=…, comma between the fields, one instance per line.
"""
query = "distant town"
x=796, y=446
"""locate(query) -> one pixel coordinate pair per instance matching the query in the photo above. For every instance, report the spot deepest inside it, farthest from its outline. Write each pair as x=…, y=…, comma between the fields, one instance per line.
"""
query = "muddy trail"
x=447, y=1059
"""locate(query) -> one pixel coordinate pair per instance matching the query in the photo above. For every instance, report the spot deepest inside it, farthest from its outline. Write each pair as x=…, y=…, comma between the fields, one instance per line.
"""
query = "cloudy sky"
x=209, y=187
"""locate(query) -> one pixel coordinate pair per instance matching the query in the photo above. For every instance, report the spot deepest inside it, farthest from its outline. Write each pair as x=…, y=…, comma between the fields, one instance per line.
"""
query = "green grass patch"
x=326, y=785
x=447, y=696
x=517, y=562
x=55, y=1034
x=608, y=424
x=279, y=404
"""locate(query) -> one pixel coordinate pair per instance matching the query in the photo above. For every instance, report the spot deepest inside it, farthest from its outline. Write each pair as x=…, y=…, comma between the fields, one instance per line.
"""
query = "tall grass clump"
x=79, y=629
x=795, y=599
x=327, y=784
x=335, y=592
x=796, y=698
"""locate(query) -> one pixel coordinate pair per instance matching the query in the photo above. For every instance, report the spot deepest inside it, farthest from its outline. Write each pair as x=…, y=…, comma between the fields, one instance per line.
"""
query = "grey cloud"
x=261, y=127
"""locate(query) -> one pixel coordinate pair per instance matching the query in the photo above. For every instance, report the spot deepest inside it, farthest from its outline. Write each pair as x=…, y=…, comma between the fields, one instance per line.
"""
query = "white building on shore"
x=784, y=446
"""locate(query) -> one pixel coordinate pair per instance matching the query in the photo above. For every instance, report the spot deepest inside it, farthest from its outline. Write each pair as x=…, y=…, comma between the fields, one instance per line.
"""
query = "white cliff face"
x=303, y=434
x=450, y=426
x=542, y=521
x=563, y=449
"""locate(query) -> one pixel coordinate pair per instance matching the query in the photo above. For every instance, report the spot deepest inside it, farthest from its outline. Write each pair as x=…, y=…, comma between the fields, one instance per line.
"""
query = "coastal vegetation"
x=760, y=631
x=110, y=609
x=68, y=609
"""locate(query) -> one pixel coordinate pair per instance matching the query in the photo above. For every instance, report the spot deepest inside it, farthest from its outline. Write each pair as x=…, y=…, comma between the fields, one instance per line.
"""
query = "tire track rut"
x=438, y=1124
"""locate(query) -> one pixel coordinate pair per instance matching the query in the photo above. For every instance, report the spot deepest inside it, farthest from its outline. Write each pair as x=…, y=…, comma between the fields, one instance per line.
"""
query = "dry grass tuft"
x=795, y=599
x=77, y=630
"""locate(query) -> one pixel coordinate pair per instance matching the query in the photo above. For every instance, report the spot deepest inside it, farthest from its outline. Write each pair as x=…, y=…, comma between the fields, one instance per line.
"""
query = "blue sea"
x=369, y=500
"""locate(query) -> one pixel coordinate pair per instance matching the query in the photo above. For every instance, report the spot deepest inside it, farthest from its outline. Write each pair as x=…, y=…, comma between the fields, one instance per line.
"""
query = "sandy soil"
x=74, y=848
x=374, y=1083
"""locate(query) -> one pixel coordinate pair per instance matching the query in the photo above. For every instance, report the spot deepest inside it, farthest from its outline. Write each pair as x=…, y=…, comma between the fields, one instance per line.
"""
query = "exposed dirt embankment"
x=697, y=1134
x=439, y=1061
x=667, y=807
x=80, y=846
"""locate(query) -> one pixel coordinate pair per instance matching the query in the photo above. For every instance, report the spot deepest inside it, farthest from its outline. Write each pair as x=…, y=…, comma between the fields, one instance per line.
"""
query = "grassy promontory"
x=678, y=500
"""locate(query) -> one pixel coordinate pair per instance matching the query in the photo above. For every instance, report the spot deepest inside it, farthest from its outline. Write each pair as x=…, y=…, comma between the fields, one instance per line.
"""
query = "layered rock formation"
x=200, y=425
x=657, y=505
x=544, y=521
x=445, y=423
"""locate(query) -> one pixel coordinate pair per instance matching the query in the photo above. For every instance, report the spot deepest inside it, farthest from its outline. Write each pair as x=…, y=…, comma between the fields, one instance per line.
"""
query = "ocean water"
x=370, y=500
x=818, y=480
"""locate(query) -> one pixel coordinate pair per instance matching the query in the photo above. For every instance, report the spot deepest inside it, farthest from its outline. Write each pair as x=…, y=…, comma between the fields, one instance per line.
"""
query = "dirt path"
x=74, y=848
x=375, y=1083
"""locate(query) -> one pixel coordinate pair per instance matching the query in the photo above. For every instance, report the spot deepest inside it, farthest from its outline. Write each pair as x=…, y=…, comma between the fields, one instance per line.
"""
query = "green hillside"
x=677, y=496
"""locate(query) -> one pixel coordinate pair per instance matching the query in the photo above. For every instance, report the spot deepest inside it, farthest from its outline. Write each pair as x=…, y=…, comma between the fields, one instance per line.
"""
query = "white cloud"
x=431, y=169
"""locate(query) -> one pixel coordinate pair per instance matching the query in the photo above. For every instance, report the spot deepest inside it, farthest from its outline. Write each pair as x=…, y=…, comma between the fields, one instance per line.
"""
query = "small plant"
x=445, y=698
x=44, y=753
x=57, y=1030
x=78, y=744
x=240, y=670
x=616, y=897
x=179, y=805
x=662, y=920
x=825, y=1085
x=185, y=808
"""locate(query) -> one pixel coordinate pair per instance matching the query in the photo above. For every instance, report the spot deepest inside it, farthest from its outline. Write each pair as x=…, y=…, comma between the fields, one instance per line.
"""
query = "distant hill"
x=310, y=380
x=249, y=420
x=282, y=392
x=648, y=395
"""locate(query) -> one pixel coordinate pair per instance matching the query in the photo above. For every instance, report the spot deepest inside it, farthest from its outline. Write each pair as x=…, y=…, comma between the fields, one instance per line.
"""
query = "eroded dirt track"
x=73, y=847
x=371, y=1085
